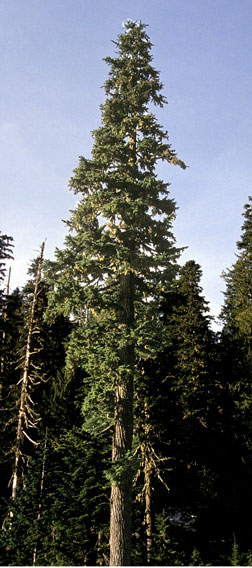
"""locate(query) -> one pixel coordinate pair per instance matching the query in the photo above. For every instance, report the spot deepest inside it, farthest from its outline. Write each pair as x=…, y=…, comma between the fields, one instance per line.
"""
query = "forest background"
x=191, y=453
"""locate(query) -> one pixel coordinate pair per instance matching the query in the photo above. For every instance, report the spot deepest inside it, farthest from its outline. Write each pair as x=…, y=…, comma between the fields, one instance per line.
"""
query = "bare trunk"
x=121, y=490
x=24, y=397
x=148, y=522
x=147, y=451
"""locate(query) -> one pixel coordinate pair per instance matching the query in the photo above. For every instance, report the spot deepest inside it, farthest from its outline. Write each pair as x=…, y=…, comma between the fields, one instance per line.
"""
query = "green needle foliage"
x=189, y=328
x=120, y=251
x=237, y=310
x=6, y=249
x=237, y=319
x=121, y=226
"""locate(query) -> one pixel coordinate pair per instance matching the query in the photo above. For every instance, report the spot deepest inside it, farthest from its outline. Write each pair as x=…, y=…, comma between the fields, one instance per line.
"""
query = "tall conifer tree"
x=118, y=255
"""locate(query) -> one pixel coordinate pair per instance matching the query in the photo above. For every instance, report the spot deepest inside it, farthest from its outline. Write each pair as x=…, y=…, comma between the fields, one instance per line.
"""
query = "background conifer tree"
x=236, y=357
x=6, y=253
x=117, y=258
x=189, y=388
x=188, y=325
x=237, y=310
x=43, y=369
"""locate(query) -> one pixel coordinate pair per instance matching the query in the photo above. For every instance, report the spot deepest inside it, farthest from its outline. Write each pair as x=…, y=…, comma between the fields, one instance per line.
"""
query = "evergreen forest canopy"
x=126, y=431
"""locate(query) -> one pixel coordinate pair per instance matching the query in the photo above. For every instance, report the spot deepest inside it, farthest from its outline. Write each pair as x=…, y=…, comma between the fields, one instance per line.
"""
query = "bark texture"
x=121, y=490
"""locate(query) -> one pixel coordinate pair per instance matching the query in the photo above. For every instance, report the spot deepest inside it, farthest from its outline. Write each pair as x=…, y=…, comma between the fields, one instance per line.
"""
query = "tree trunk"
x=121, y=490
x=147, y=451
x=22, y=414
x=148, y=509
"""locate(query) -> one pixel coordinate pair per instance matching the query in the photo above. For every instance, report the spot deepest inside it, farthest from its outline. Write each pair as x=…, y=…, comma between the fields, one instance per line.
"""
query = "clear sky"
x=51, y=73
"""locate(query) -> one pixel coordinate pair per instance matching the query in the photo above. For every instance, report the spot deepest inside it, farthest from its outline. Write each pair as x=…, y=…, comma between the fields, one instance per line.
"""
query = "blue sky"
x=51, y=73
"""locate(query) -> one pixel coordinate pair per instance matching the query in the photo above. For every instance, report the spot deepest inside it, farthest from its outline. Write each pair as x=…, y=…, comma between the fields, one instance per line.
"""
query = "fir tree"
x=6, y=249
x=117, y=258
x=236, y=344
x=237, y=319
x=237, y=309
x=34, y=365
x=188, y=326
x=10, y=375
x=190, y=393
